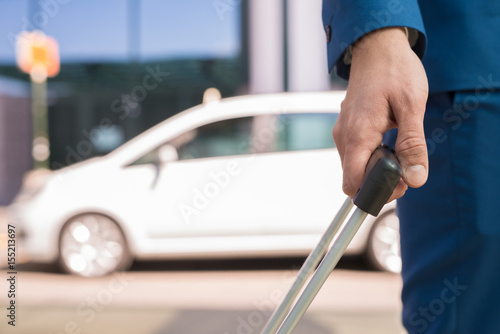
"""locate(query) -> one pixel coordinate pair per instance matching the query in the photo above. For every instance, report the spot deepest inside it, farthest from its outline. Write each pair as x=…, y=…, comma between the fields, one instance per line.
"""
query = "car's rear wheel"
x=93, y=245
x=383, y=250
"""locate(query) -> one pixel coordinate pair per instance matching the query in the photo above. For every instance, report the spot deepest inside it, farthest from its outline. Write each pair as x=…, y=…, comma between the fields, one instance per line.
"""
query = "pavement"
x=206, y=297
x=154, y=298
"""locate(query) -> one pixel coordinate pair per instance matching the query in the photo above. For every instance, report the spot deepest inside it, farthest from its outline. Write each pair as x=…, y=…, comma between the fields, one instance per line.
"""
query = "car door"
x=202, y=193
x=301, y=173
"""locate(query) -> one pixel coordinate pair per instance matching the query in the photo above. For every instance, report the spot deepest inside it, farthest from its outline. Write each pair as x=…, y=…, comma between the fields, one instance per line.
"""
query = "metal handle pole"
x=382, y=175
x=325, y=268
x=307, y=268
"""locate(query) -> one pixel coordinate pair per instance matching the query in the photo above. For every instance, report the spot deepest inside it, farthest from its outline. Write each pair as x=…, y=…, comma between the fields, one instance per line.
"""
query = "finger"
x=399, y=191
x=411, y=149
x=412, y=153
x=337, y=134
x=354, y=167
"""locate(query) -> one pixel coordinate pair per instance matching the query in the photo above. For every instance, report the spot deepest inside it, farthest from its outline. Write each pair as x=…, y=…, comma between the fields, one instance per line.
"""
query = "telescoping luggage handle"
x=382, y=176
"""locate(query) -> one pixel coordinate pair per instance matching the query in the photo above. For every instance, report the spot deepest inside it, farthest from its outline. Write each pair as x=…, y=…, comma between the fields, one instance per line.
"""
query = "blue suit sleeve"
x=345, y=21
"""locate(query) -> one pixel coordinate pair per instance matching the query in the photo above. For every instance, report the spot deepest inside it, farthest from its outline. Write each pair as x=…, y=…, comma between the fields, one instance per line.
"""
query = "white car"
x=244, y=176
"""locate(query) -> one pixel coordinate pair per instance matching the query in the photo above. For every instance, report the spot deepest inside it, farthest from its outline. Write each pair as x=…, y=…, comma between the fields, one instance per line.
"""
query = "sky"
x=116, y=30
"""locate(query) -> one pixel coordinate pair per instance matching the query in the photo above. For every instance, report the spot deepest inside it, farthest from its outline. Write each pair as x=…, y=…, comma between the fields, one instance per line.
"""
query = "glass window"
x=149, y=158
x=304, y=131
x=13, y=20
x=90, y=31
x=109, y=49
x=223, y=138
x=189, y=29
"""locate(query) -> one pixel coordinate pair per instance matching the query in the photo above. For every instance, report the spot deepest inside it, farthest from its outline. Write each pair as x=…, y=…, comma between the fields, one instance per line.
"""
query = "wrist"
x=390, y=37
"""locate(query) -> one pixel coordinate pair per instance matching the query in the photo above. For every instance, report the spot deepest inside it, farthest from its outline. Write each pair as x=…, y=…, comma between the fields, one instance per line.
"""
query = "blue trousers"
x=450, y=227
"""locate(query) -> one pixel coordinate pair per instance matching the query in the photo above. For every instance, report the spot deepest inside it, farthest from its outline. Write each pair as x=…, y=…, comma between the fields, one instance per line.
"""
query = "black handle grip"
x=382, y=176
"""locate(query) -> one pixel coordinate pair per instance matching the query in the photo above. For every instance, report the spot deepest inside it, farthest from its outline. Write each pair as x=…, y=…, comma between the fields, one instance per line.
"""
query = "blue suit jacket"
x=460, y=38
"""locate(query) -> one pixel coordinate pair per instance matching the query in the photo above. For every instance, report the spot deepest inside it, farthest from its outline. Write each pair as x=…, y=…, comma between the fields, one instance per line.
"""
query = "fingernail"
x=415, y=175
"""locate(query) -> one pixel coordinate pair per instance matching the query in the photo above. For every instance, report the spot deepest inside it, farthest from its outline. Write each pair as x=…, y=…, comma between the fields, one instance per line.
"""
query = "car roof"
x=280, y=102
x=235, y=107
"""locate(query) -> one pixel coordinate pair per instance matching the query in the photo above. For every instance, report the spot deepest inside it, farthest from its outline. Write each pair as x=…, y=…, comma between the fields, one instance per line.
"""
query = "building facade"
x=126, y=65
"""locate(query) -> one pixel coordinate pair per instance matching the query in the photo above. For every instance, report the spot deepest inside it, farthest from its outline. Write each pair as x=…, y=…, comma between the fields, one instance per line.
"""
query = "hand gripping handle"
x=382, y=176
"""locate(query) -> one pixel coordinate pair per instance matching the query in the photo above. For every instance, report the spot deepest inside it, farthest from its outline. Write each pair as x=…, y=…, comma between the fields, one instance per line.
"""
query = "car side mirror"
x=167, y=153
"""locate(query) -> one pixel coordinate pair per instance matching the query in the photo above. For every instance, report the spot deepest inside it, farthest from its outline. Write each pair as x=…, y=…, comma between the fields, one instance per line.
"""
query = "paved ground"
x=191, y=297
x=201, y=297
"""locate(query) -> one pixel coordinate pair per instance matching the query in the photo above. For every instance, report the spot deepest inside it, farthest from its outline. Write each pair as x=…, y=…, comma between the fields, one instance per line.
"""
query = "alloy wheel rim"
x=92, y=245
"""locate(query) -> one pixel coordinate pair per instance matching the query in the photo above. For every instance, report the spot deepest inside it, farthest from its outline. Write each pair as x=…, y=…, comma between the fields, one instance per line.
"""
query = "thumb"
x=411, y=150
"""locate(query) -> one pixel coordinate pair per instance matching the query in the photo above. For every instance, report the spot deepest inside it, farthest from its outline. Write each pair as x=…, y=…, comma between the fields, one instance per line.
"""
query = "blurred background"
x=99, y=95
x=106, y=48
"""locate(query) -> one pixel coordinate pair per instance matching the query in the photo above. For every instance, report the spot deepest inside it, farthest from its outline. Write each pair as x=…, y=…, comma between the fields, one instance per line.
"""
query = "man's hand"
x=387, y=89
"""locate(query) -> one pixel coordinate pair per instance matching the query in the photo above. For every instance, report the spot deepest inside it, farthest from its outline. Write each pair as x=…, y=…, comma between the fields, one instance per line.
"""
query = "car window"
x=149, y=158
x=223, y=138
x=294, y=132
x=246, y=135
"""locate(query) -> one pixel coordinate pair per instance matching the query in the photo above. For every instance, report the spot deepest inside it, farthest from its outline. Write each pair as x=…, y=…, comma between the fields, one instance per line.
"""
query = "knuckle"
x=412, y=144
x=344, y=104
x=347, y=188
x=336, y=133
x=415, y=98
x=412, y=100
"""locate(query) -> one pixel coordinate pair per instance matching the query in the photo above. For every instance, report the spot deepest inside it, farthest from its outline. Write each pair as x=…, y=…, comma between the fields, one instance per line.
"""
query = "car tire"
x=383, y=248
x=93, y=245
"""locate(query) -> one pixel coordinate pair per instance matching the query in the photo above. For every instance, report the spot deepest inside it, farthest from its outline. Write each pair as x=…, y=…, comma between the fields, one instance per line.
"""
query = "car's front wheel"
x=93, y=245
x=383, y=250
